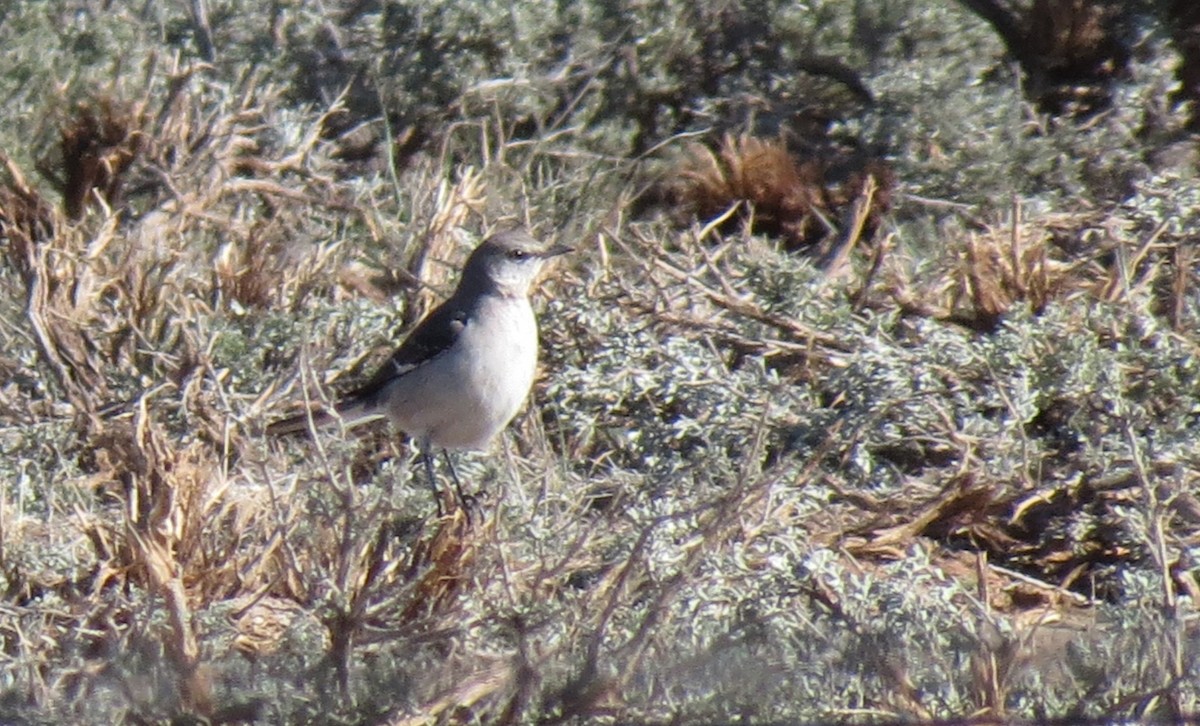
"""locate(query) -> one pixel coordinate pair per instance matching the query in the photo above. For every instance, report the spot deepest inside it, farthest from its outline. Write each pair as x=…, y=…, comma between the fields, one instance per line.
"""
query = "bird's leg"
x=462, y=498
x=427, y=457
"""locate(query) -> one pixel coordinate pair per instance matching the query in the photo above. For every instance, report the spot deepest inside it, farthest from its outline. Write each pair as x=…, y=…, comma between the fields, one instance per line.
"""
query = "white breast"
x=464, y=397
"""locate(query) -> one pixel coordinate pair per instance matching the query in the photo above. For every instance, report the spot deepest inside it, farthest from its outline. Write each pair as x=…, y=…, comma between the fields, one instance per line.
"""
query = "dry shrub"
x=1184, y=18
x=806, y=202
x=170, y=495
x=1069, y=50
x=98, y=144
x=1033, y=564
x=164, y=494
x=452, y=206
x=992, y=272
x=439, y=565
x=68, y=270
x=118, y=302
x=108, y=294
x=1034, y=263
x=114, y=302
x=386, y=576
x=248, y=271
x=26, y=218
x=96, y=297
x=425, y=284
x=60, y=297
x=1012, y=527
x=1071, y=35
x=191, y=539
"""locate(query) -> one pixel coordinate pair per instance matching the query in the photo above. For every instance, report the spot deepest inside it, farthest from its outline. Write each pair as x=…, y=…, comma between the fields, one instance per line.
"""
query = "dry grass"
x=1031, y=265
x=1001, y=268
x=111, y=304
x=819, y=204
x=914, y=471
x=98, y=144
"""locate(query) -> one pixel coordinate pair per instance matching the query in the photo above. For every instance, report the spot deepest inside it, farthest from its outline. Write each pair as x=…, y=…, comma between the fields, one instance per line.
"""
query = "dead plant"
x=993, y=271
x=804, y=201
x=165, y=495
x=26, y=218
x=1184, y=20
x=1069, y=50
x=98, y=143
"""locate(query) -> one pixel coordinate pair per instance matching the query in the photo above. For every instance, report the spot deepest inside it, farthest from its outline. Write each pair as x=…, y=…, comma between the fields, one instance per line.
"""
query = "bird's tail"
x=300, y=423
x=350, y=413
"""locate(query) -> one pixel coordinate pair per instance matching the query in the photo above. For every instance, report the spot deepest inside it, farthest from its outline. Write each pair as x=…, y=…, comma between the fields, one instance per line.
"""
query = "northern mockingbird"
x=466, y=369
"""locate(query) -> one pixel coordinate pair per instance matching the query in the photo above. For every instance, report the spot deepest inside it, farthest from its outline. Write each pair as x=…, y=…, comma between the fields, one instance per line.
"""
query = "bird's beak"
x=557, y=250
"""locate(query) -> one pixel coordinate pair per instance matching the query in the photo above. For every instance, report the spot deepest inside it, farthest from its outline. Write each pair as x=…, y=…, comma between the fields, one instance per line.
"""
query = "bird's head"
x=508, y=262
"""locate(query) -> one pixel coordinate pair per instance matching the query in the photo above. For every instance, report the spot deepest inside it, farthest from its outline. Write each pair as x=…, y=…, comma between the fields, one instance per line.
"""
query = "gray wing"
x=434, y=335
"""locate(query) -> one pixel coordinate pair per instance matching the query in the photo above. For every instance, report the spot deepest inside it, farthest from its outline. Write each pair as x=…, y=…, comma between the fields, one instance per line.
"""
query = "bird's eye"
x=516, y=254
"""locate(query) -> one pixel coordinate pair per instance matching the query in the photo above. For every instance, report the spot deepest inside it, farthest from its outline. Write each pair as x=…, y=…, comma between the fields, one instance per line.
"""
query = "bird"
x=465, y=370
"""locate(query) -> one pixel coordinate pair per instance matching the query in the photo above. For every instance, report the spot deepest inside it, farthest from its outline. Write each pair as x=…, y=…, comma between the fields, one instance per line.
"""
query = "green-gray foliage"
x=705, y=515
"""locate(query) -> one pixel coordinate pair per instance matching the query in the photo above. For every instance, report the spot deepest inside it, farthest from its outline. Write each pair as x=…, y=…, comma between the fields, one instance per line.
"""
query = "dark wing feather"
x=433, y=335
